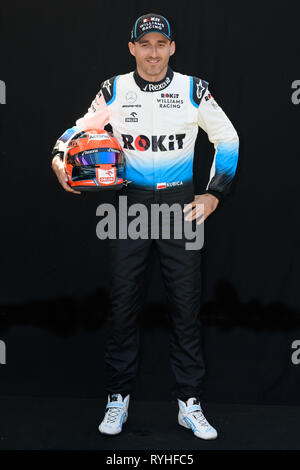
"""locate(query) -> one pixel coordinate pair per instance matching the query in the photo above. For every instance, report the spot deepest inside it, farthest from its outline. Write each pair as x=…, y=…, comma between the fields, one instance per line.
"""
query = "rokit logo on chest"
x=156, y=143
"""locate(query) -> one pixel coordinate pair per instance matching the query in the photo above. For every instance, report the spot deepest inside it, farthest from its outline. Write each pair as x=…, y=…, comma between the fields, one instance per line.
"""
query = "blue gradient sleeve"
x=223, y=168
x=221, y=132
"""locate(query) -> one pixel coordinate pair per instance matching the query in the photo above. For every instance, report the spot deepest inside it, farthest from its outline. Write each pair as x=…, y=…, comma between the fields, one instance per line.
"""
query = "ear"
x=172, y=47
x=131, y=47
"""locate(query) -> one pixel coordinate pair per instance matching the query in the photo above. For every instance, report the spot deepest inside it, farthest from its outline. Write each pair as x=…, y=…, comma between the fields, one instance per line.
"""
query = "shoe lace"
x=112, y=414
x=199, y=416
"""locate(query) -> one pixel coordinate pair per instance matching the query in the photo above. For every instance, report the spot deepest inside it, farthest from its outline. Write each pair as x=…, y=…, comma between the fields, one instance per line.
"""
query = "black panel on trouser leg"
x=128, y=264
x=181, y=270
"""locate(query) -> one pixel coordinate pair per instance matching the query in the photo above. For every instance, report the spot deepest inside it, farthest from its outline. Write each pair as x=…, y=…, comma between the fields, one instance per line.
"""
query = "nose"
x=153, y=52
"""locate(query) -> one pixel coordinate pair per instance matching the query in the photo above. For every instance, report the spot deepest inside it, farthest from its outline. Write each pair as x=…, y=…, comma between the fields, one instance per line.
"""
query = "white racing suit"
x=157, y=124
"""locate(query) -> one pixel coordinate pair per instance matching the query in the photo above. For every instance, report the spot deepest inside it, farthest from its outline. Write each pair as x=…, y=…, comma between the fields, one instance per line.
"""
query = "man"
x=155, y=113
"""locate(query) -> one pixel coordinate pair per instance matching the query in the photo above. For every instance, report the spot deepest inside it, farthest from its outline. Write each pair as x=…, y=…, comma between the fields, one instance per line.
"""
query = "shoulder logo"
x=107, y=85
x=199, y=90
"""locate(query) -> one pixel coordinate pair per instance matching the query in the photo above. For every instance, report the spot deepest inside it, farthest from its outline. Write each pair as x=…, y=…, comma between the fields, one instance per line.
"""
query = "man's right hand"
x=59, y=169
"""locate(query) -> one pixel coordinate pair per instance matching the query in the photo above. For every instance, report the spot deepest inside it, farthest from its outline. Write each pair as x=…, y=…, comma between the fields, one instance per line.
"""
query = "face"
x=152, y=53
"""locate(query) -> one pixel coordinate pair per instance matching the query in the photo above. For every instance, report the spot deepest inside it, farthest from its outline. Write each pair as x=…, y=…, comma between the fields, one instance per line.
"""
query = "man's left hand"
x=210, y=203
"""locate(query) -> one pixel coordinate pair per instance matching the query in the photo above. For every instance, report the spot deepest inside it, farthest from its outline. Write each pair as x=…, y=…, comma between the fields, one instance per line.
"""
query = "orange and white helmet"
x=94, y=161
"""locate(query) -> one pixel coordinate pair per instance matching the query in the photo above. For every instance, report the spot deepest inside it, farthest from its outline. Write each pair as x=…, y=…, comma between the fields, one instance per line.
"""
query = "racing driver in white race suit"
x=155, y=113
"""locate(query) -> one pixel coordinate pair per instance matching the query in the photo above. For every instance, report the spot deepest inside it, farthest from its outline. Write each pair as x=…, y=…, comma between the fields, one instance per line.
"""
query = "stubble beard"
x=155, y=71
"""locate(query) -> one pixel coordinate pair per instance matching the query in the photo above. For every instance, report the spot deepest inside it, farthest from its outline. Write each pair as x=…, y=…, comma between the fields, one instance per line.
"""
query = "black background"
x=54, y=270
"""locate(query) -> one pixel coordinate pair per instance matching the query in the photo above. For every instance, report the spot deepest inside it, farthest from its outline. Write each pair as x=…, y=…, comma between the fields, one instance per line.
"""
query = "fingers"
x=196, y=213
x=189, y=206
x=69, y=189
x=63, y=180
x=190, y=215
x=197, y=201
x=202, y=219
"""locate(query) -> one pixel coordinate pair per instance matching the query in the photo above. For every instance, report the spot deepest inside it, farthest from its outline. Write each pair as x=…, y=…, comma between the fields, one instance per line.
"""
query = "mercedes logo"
x=131, y=97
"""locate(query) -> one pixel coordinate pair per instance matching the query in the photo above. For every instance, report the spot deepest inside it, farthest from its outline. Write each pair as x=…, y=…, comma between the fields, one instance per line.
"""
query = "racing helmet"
x=94, y=161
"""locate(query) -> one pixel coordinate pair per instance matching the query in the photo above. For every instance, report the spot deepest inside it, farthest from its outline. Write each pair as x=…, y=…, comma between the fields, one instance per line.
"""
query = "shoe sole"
x=109, y=433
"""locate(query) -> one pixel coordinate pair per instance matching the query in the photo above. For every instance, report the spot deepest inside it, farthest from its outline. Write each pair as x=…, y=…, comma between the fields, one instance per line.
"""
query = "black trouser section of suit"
x=182, y=278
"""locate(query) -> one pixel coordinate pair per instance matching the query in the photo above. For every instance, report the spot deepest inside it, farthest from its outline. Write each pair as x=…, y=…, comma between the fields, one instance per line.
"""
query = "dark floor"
x=61, y=423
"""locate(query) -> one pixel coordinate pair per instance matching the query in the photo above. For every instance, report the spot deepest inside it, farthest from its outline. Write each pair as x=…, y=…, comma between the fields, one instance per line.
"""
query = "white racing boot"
x=116, y=414
x=191, y=416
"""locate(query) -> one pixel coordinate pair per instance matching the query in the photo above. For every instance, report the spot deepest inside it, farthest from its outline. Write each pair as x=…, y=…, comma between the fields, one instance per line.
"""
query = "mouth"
x=152, y=61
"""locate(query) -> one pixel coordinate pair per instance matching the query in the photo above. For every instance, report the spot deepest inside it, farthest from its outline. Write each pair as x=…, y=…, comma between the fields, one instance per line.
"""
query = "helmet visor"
x=91, y=158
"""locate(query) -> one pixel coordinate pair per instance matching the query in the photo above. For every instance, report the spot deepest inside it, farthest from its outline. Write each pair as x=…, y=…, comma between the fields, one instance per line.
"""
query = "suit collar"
x=144, y=85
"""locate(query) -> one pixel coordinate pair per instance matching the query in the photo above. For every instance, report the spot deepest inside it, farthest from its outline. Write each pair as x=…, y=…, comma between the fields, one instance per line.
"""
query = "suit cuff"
x=217, y=194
